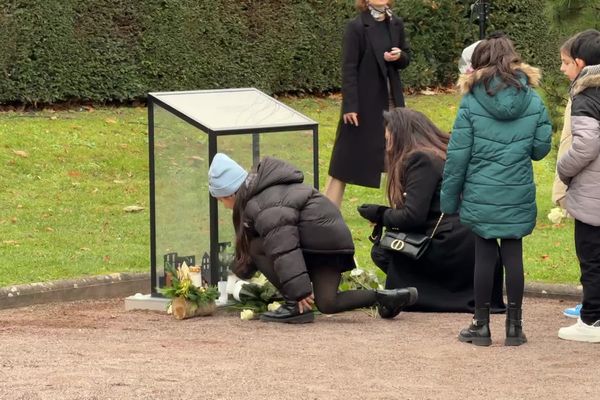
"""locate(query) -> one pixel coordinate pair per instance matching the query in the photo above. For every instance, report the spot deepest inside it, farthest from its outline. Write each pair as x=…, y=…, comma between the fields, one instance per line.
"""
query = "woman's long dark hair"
x=495, y=57
x=242, y=242
x=409, y=132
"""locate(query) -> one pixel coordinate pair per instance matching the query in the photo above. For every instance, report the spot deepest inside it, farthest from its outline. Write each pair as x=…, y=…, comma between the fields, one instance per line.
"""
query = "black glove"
x=372, y=212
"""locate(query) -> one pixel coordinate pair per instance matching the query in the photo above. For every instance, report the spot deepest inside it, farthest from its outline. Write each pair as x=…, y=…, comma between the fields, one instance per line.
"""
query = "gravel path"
x=97, y=350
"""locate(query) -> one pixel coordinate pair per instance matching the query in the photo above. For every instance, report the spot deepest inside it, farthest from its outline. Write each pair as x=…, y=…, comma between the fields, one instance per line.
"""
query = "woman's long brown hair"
x=242, y=242
x=495, y=57
x=409, y=132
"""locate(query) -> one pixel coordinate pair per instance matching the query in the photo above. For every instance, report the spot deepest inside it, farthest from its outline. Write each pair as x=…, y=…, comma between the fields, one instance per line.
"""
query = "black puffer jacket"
x=292, y=218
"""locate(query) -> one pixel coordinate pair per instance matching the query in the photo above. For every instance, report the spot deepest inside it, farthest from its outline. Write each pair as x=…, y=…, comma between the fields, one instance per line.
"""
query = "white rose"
x=273, y=306
x=247, y=315
x=556, y=215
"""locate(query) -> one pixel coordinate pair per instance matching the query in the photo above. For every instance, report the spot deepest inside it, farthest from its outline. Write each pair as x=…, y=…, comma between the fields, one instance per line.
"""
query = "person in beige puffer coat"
x=579, y=169
x=570, y=68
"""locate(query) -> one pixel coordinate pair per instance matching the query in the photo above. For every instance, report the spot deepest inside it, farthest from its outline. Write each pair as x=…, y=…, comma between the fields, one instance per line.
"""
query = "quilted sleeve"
x=542, y=140
x=585, y=128
x=457, y=159
x=281, y=240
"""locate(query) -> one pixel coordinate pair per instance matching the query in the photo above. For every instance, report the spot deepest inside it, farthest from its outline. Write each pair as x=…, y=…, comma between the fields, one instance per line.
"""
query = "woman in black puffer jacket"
x=295, y=236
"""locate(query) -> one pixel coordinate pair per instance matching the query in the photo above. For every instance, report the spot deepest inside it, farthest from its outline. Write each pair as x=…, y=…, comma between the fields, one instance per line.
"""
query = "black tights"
x=325, y=280
x=486, y=255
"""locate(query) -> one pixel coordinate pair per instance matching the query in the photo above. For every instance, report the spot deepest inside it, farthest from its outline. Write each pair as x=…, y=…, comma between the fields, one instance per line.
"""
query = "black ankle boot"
x=288, y=313
x=478, y=333
x=514, y=326
x=391, y=302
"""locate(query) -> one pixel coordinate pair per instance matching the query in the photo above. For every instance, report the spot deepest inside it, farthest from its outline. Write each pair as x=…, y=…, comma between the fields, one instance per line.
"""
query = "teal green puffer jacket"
x=488, y=174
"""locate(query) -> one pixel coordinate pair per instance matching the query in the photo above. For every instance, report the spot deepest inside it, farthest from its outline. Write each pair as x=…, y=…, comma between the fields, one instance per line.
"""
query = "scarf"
x=588, y=77
x=380, y=14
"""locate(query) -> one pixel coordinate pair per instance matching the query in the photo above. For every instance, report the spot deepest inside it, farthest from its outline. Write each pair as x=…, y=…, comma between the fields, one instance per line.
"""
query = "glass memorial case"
x=186, y=129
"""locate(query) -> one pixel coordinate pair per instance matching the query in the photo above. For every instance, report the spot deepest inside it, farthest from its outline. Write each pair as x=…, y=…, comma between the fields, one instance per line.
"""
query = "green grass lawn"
x=67, y=176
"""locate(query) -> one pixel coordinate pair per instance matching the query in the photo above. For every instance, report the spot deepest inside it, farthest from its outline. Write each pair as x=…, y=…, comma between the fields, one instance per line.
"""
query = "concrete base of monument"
x=141, y=301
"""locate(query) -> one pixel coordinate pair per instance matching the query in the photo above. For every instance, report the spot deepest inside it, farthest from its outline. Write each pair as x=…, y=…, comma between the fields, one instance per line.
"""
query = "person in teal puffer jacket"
x=502, y=124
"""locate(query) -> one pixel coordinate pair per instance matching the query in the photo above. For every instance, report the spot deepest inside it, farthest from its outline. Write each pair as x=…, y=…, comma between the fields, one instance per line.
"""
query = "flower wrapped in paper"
x=188, y=299
x=255, y=295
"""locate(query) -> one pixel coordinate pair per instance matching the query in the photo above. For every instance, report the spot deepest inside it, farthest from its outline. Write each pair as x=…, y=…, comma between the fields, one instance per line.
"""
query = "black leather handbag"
x=412, y=245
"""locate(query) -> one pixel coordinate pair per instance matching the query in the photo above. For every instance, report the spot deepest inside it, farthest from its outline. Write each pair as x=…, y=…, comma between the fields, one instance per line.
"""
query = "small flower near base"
x=247, y=315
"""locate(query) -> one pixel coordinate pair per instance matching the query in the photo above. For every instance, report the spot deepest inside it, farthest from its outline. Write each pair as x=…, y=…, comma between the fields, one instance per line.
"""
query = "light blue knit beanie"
x=225, y=176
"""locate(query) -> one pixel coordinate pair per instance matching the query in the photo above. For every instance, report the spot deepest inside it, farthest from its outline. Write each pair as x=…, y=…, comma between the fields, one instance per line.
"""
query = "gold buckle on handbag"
x=397, y=244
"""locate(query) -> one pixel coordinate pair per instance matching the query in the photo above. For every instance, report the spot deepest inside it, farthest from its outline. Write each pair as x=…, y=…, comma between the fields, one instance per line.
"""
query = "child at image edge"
x=502, y=124
x=579, y=169
x=569, y=67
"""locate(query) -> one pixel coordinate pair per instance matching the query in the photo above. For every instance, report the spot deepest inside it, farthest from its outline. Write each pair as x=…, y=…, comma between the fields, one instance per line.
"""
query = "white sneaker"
x=581, y=332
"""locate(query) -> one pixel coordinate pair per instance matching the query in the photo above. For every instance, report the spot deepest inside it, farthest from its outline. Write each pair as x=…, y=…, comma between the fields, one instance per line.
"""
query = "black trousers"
x=486, y=255
x=587, y=247
x=325, y=280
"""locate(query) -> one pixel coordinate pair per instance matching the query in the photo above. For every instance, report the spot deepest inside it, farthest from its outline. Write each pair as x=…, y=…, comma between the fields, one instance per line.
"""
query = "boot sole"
x=513, y=341
x=298, y=319
x=480, y=341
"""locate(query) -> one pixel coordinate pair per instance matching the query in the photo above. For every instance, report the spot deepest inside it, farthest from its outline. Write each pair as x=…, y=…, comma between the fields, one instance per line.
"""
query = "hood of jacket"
x=588, y=77
x=271, y=172
x=508, y=103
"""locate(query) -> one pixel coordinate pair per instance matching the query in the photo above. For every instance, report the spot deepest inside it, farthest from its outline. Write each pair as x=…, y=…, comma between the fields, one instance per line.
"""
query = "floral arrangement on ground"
x=258, y=295
x=187, y=299
x=254, y=297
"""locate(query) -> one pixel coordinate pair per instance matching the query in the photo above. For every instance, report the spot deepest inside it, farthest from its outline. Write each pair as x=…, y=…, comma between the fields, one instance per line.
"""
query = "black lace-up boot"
x=478, y=333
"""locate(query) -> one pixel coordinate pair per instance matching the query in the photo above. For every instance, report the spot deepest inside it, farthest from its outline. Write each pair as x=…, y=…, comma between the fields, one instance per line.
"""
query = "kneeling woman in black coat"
x=415, y=156
x=295, y=236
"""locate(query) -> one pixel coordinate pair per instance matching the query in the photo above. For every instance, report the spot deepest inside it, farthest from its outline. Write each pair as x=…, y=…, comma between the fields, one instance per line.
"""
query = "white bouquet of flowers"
x=254, y=296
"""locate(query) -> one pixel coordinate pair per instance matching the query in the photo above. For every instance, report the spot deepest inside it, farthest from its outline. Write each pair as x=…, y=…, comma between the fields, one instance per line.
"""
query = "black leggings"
x=325, y=280
x=486, y=255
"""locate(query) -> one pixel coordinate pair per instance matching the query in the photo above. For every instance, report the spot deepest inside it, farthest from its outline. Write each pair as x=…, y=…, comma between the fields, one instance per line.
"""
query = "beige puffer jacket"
x=559, y=189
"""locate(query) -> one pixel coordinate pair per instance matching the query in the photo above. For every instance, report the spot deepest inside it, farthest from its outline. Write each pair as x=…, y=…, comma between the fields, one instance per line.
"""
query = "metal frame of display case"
x=213, y=134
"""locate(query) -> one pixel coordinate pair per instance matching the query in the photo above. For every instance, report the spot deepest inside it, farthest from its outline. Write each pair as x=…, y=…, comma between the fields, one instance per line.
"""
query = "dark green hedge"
x=438, y=31
x=118, y=50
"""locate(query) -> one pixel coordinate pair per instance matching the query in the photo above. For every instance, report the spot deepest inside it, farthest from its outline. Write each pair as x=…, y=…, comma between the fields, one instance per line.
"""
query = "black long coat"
x=358, y=152
x=444, y=274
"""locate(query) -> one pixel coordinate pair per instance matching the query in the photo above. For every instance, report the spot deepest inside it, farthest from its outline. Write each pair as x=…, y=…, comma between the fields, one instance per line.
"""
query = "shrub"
x=119, y=50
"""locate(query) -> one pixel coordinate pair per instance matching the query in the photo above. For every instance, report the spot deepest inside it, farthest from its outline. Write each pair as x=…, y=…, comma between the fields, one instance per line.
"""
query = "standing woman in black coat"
x=416, y=153
x=296, y=237
x=374, y=49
